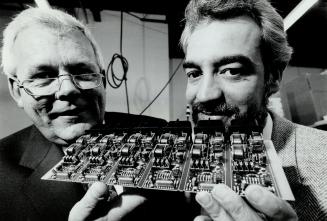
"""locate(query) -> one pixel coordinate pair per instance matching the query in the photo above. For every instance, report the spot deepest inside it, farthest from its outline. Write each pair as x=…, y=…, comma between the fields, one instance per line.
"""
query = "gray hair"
x=51, y=18
x=276, y=52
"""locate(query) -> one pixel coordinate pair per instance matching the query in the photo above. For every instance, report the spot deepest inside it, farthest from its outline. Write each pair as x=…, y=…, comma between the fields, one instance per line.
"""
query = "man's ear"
x=274, y=86
x=15, y=92
x=272, y=81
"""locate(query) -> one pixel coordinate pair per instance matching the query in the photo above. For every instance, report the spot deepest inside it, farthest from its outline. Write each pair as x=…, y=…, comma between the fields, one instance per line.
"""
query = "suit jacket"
x=303, y=152
x=26, y=156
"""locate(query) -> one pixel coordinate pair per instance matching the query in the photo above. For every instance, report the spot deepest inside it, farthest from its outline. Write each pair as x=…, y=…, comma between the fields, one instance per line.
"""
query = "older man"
x=55, y=73
x=235, y=54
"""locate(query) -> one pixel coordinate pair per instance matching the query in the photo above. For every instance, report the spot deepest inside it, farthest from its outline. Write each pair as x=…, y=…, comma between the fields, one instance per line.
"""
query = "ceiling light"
x=297, y=12
x=42, y=3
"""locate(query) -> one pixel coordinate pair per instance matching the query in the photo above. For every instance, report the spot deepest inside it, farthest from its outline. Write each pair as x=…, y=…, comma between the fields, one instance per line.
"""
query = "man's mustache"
x=215, y=108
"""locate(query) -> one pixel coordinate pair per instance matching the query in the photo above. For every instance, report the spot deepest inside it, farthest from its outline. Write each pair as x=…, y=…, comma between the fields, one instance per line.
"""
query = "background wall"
x=12, y=118
x=145, y=45
x=177, y=89
x=304, y=94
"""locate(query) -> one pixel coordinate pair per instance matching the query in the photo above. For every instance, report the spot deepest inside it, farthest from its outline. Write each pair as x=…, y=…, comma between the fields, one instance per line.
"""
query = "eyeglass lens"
x=47, y=86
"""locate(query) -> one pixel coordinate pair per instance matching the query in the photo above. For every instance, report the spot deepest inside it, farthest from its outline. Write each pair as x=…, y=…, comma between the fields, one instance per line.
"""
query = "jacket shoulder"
x=285, y=130
x=13, y=145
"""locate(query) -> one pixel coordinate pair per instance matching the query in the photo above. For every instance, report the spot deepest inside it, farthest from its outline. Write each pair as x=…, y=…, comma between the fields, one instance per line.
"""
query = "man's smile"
x=67, y=113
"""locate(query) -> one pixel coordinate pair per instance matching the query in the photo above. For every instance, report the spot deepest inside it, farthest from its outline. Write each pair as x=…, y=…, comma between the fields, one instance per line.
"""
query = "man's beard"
x=253, y=116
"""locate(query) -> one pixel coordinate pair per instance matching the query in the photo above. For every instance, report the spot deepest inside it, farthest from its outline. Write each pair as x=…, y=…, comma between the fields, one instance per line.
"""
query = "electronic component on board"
x=167, y=159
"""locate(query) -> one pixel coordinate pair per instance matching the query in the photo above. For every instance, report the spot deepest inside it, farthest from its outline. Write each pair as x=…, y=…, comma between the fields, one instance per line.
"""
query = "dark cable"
x=169, y=80
x=144, y=19
x=126, y=92
x=135, y=16
x=116, y=81
x=121, y=52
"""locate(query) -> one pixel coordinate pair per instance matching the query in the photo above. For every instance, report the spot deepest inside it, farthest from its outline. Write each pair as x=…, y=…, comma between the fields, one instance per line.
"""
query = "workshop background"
x=147, y=34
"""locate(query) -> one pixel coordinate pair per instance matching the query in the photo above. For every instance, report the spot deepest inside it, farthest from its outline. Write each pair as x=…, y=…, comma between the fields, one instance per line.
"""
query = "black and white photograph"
x=195, y=110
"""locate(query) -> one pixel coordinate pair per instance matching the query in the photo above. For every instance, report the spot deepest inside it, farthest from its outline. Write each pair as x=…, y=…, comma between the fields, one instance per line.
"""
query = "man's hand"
x=224, y=204
x=94, y=205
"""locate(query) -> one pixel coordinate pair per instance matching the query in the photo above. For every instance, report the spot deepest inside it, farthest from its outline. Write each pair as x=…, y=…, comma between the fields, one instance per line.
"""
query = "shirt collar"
x=267, y=130
x=37, y=147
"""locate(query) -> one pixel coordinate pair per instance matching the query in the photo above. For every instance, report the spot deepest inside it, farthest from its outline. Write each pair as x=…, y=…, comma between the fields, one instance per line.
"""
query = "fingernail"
x=203, y=198
x=255, y=195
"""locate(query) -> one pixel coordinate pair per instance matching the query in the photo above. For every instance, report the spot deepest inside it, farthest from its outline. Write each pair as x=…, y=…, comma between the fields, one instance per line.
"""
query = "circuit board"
x=169, y=159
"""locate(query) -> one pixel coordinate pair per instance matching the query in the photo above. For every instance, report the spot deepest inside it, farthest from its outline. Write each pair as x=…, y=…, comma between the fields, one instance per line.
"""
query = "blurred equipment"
x=307, y=98
x=322, y=124
x=115, y=82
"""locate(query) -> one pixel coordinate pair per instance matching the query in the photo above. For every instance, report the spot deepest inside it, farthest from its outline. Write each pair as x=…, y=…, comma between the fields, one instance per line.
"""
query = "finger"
x=124, y=205
x=269, y=204
x=234, y=205
x=97, y=192
x=202, y=218
x=211, y=206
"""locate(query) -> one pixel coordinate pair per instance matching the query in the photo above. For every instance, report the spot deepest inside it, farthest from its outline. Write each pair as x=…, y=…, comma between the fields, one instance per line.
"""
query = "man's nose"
x=209, y=88
x=66, y=86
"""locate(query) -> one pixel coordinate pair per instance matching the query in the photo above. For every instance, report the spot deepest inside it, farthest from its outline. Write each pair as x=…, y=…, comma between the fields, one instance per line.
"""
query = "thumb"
x=83, y=209
x=269, y=204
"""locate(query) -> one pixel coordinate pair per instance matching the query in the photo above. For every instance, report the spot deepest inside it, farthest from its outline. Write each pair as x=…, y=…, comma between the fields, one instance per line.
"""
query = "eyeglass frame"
x=20, y=84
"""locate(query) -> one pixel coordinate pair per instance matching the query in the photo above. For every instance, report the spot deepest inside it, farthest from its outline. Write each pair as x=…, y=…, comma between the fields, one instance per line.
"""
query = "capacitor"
x=201, y=163
x=194, y=181
x=70, y=150
x=206, y=164
x=125, y=151
x=196, y=153
x=158, y=152
x=95, y=150
x=158, y=161
x=197, y=163
x=188, y=112
x=166, y=162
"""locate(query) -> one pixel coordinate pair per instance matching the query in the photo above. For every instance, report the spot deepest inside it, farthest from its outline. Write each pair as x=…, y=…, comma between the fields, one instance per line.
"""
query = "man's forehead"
x=38, y=34
x=229, y=37
x=38, y=46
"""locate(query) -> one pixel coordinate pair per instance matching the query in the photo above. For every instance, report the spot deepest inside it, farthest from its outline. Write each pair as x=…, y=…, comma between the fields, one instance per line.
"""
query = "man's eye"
x=79, y=71
x=47, y=74
x=232, y=71
x=193, y=74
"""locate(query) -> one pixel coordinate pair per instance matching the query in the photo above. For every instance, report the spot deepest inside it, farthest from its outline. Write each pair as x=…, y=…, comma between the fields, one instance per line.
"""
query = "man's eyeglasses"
x=49, y=86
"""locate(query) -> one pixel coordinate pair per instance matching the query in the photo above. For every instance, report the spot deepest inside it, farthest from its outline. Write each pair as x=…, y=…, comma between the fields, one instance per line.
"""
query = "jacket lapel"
x=49, y=198
x=282, y=133
x=284, y=137
x=37, y=147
